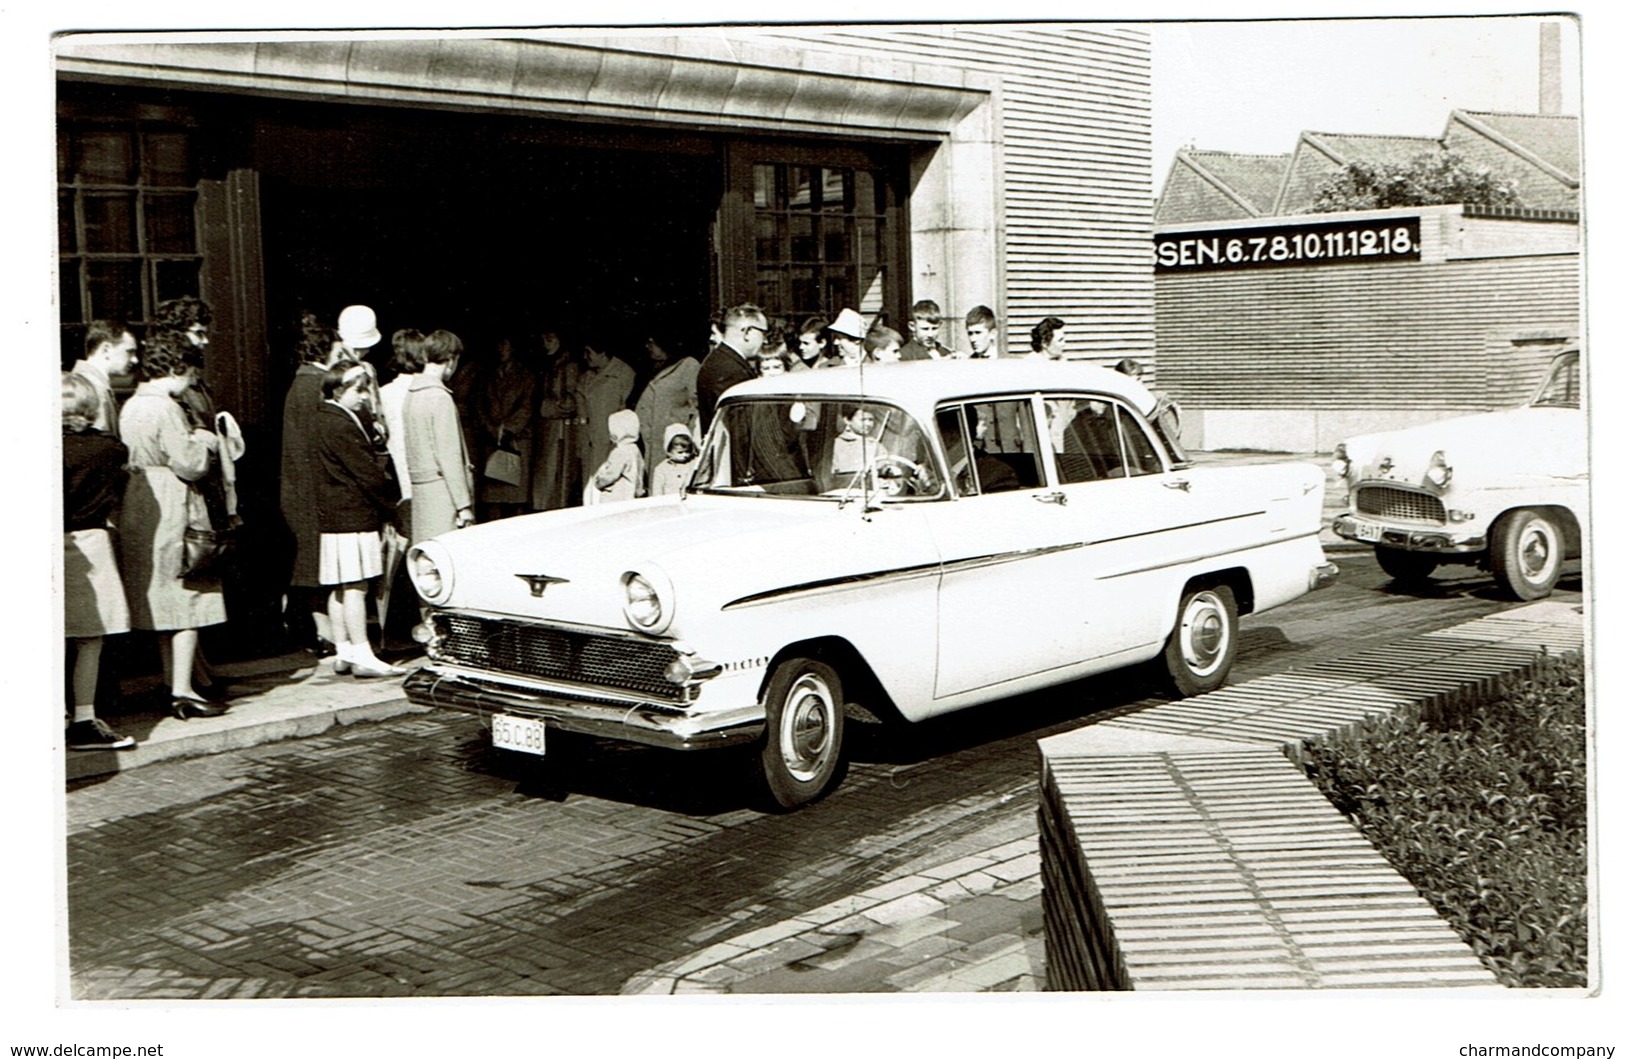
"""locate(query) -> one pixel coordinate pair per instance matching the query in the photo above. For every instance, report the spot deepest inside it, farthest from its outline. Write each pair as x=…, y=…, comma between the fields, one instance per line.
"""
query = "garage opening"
x=487, y=225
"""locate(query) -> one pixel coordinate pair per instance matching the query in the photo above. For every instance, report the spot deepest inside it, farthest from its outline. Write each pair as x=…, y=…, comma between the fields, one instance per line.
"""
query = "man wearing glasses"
x=733, y=360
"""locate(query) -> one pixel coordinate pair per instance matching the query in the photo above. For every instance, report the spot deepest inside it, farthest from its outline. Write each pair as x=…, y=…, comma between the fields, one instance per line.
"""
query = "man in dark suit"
x=733, y=360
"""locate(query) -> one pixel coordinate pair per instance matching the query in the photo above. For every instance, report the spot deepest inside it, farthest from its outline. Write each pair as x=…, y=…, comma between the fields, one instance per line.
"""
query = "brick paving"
x=405, y=857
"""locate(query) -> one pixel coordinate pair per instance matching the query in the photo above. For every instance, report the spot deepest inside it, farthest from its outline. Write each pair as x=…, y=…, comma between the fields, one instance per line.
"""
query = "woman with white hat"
x=848, y=331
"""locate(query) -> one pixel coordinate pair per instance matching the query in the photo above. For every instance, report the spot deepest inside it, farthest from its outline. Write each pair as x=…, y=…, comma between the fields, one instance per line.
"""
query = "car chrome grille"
x=550, y=653
x=1406, y=505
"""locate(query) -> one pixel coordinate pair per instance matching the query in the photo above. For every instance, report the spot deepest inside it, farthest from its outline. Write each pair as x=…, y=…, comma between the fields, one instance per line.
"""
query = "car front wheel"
x=1203, y=644
x=1526, y=553
x=801, y=756
x=1407, y=568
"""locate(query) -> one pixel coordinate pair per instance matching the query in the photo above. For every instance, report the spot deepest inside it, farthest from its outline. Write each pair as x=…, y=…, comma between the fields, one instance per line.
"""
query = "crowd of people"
x=378, y=454
x=160, y=469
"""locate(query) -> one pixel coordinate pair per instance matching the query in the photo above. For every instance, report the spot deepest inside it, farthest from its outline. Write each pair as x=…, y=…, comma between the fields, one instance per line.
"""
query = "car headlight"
x=650, y=600
x=1439, y=470
x=429, y=566
x=1340, y=461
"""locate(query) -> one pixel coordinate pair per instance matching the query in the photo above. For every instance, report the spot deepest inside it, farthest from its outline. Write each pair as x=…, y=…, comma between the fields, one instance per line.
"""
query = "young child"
x=882, y=345
x=620, y=476
x=671, y=475
x=924, y=326
x=855, y=448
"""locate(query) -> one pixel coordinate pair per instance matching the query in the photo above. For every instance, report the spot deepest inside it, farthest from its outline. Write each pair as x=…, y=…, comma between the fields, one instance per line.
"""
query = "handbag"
x=504, y=466
x=207, y=554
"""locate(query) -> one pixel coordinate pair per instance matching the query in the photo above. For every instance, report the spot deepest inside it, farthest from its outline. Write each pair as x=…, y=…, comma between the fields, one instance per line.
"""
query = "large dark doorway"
x=487, y=225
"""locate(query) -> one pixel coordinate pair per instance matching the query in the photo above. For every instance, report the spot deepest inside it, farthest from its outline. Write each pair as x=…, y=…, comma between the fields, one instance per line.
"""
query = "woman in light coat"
x=436, y=455
x=165, y=457
x=604, y=390
x=669, y=397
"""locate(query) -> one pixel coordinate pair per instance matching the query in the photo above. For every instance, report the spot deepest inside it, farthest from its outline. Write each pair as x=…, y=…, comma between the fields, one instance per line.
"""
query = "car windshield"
x=1562, y=386
x=821, y=448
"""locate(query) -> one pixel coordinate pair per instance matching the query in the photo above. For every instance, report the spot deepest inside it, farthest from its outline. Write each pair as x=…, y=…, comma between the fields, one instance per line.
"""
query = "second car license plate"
x=524, y=734
x=1367, y=531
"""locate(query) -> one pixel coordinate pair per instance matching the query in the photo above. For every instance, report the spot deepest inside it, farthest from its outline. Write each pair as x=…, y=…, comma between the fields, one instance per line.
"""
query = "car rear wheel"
x=801, y=757
x=1202, y=646
x=1526, y=553
x=1406, y=567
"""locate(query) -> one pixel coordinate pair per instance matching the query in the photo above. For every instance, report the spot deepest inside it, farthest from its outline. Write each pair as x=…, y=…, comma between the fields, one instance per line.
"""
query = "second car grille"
x=1385, y=501
x=549, y=653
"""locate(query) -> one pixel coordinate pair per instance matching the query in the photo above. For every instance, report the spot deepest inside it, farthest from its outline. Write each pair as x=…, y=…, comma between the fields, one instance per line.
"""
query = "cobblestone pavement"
x=408, y=858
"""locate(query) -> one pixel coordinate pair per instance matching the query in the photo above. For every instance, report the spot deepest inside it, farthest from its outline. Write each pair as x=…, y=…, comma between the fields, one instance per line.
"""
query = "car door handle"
x=1051, y=498
x=1177, y=483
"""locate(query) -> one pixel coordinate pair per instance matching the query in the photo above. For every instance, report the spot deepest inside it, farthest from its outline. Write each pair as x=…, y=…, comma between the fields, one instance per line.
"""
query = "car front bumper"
x=649, y=723
x=1433, y=540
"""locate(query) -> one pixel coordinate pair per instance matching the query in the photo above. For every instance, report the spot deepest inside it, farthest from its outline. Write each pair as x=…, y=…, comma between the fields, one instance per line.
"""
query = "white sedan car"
x=1504, y=490
x=885, y=543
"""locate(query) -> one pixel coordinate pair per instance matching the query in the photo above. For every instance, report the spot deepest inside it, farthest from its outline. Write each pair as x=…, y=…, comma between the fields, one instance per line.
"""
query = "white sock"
x=364, y=656
x=81, y=714
x=344, y=651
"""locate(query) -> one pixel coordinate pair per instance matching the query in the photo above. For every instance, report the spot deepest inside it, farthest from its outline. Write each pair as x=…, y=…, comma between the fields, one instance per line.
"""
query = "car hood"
x=568, y=565
x=1548, y=441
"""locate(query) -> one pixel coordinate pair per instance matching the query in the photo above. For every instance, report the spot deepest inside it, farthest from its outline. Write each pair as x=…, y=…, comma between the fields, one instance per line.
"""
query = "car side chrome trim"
x=1206, y=556
x=955, y=566
x=901, y=573
x=1176, y=529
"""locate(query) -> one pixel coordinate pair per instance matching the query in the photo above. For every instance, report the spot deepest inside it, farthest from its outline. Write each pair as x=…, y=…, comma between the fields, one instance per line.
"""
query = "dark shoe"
x=214, y=691
x=185, y=708
x=324, y=648
x=95, y=735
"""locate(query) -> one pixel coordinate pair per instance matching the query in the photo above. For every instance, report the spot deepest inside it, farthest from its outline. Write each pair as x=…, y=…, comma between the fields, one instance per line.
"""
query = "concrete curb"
x=280, y=698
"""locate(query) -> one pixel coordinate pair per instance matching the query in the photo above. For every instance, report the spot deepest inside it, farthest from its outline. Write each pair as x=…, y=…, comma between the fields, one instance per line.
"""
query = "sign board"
x=1290, y=245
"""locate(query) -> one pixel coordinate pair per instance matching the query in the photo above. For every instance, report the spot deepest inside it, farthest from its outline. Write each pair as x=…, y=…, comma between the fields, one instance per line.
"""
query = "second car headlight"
x=650, y=600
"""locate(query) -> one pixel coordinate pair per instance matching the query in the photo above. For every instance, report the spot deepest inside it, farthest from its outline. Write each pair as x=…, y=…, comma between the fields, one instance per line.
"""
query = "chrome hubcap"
x=804, y=737
x=1204, y=633
x=1535, y=552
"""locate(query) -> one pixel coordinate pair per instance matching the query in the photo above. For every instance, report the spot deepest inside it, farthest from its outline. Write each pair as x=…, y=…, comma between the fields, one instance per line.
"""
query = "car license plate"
x=524, y=734
x=1367, y=531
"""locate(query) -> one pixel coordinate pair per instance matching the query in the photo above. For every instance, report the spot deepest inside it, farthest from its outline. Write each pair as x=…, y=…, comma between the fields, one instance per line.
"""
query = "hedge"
x=1485, y=814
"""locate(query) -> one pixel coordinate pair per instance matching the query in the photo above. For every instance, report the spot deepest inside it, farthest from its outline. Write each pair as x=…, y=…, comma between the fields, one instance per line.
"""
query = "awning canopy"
x=722, y=79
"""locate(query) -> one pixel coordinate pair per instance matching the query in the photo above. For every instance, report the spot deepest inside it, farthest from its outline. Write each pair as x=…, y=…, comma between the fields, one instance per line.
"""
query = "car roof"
x=921, y=385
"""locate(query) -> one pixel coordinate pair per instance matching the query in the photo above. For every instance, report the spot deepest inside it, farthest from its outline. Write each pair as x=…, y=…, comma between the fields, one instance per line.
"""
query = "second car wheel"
x=801, y=755
x=1406, y=567
x=1203, y=644
x=1526, y=553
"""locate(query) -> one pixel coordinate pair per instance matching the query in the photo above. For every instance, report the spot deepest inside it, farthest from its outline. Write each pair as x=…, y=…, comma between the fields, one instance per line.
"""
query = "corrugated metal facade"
x=1396, y=336
x=1076, y=120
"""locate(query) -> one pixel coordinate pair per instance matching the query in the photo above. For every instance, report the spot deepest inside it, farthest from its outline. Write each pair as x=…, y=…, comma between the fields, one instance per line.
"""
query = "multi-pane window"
x=820, y=239
x=126, y=220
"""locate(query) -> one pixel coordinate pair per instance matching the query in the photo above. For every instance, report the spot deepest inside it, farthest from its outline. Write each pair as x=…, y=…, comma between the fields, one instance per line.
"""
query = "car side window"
x=1095, y=439
x=961, y=471
x=1005, y=445
x=1084, y=435
x=1137, y=447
